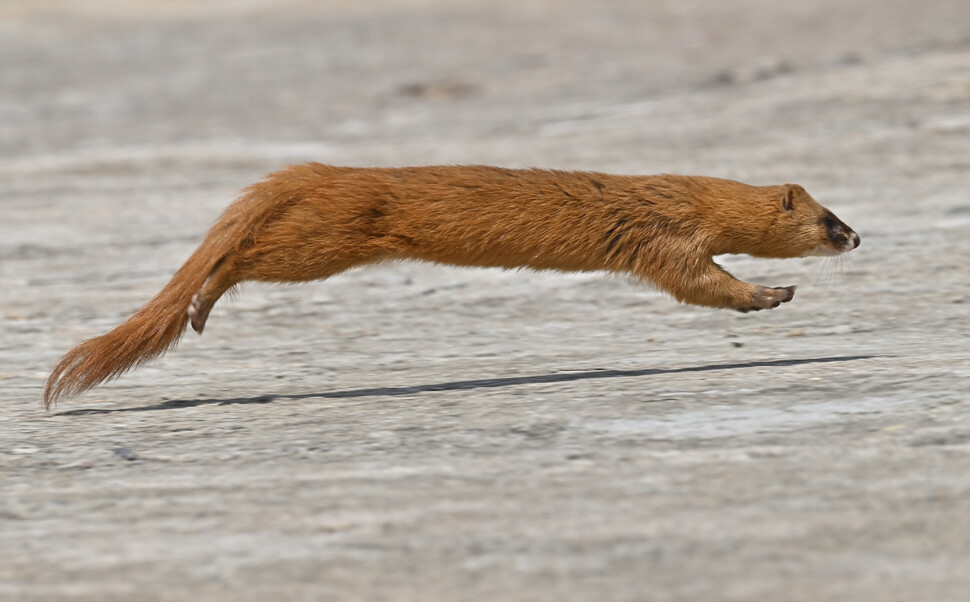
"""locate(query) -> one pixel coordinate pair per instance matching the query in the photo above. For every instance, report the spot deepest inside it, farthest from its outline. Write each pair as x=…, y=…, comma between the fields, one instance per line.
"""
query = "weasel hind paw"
x=769, y=298
x=198, y=313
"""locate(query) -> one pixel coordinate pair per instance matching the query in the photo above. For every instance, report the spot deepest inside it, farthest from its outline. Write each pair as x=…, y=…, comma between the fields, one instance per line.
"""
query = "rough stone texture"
x=414, y=432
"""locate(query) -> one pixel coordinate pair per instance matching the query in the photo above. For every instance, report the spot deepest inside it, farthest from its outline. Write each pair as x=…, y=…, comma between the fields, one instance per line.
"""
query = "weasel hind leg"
x=216, y=284
x=269, y=264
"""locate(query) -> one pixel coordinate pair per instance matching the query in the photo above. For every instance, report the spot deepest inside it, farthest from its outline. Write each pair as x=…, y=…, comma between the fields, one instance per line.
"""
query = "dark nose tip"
x=855, y=240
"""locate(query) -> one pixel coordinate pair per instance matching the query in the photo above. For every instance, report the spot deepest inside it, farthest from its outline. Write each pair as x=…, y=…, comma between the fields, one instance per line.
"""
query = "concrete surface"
x=414, y=432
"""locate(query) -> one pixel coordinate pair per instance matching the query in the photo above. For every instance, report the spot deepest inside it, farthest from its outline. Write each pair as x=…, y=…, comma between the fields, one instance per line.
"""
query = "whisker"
x=828, y=271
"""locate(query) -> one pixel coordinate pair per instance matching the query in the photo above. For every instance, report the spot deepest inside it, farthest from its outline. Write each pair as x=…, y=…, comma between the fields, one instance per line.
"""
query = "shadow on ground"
x=460, y=385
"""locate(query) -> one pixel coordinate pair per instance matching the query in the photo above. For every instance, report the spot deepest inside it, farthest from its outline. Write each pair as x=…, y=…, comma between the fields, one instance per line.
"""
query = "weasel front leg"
x=705, y=283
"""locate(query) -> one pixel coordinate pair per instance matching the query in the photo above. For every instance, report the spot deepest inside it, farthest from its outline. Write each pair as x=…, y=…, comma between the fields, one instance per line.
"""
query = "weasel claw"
x=791, y=293
x=769, y=298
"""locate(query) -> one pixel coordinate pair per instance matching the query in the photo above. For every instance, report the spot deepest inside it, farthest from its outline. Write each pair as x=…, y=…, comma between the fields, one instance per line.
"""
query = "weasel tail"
x=149, y=333
x=158, y=326
x=309, y=222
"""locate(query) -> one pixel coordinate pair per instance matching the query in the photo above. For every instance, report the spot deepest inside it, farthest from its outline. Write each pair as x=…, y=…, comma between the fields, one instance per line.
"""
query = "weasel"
x=311, y=221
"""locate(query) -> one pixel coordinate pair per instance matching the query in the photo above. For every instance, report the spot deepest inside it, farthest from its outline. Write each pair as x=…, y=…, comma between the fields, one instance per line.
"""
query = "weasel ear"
x=792, y=192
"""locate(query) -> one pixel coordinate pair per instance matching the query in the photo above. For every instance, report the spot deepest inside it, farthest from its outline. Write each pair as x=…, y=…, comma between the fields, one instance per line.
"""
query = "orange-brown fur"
x=309, y=222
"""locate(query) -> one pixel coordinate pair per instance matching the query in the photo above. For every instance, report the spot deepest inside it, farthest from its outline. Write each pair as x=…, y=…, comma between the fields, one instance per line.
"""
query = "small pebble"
x=125, y=454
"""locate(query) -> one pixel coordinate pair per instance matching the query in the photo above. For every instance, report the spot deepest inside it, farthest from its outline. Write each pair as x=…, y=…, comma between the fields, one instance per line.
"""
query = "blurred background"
x=395, y=81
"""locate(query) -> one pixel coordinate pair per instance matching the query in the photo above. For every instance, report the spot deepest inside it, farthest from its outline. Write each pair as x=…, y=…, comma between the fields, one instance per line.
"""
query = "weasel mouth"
x=846, y=244
x=824, y=251
x=842, y=241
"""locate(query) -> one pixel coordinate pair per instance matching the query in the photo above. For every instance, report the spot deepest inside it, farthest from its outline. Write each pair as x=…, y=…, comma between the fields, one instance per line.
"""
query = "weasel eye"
x=829, y=222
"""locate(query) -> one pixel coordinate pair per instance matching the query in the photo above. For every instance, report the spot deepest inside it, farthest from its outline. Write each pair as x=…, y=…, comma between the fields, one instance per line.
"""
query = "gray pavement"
x=417, y=432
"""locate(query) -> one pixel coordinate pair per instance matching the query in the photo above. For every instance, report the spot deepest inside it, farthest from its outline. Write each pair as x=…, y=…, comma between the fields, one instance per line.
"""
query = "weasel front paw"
x=769, y=298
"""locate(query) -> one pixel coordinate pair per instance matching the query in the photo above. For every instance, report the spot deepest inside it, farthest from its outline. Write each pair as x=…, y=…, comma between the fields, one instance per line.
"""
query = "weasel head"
x=819, y=231
x=801, y=227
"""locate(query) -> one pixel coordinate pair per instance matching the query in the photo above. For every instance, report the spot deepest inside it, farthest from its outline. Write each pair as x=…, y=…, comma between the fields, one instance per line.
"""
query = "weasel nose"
x=855, y=240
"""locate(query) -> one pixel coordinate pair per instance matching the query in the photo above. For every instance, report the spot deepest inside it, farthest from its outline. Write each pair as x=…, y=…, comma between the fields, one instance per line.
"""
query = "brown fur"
x=309, y=222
